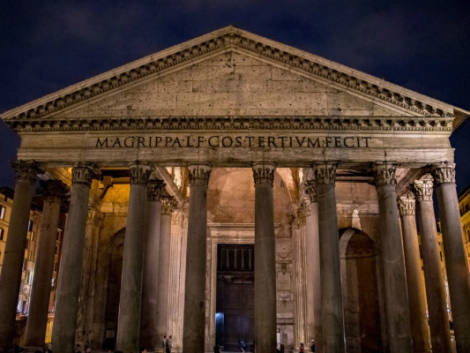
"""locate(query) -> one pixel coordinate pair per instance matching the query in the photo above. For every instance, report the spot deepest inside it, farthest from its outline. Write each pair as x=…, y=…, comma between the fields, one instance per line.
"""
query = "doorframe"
x=220, y=233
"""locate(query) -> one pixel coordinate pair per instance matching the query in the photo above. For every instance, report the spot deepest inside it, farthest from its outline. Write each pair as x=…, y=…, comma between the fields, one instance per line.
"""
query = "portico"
x=233, y=138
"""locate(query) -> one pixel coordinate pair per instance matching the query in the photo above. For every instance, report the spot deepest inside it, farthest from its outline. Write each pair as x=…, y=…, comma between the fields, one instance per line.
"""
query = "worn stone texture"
x=274, y=91
x=231, y=83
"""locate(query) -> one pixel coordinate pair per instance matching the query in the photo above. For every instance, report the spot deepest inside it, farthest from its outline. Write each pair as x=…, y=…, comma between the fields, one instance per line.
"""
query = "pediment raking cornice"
x=230, y=37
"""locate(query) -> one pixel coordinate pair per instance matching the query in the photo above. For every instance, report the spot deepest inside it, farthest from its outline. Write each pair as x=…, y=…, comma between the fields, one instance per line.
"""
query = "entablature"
x=243, y=123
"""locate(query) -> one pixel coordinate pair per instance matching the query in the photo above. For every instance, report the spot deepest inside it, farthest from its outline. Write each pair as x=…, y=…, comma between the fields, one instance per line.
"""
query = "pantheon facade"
x=234, y=189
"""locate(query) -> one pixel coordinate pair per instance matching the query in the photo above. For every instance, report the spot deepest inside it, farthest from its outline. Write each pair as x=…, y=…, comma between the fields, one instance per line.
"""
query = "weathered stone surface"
x=231, y=99
x=231, y=83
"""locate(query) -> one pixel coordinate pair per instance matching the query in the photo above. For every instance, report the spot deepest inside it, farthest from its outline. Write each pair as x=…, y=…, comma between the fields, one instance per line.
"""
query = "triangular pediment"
x=230, y=83
x=231, y=72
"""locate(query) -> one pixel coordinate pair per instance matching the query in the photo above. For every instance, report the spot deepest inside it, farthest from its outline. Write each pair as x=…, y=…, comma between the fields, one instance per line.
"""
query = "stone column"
x=313, y=266
x=150, y=338
x=435, y=286
x=396, y=292
x=195, y=281
x=68, y=283
x=53, y=192
x=130, y=300
x=14, y=249
x=332, y=320
x=414, y=275
x=265, y=260
x=168, y=206
x=455, y=254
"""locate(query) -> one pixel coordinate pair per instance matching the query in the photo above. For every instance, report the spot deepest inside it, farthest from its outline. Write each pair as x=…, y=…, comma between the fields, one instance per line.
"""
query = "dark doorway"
x=360, y=292
x=235, y=291
x=114, y=290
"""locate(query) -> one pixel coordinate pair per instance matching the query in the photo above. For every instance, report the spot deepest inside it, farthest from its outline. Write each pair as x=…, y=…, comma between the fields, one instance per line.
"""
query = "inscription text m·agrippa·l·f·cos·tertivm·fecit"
x=232, y=141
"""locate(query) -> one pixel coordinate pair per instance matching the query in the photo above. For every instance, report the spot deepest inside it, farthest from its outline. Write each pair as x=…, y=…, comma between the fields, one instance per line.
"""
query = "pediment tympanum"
x=231, y=98
x=229, y=83
x=228, y=72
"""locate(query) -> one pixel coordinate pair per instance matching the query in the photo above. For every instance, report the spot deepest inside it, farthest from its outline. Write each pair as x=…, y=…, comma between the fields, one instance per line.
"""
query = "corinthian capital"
x=139, y=173
x=325, y=173
x=407, y=204
x=199, y=175
x=263, y=174
x=53, y=189
x=311, y=190
x=155, y=189
x=26, y=170
x=423, y=188
x=83, y=173
x=385, y=174
x=168, y=204
x=444, y=173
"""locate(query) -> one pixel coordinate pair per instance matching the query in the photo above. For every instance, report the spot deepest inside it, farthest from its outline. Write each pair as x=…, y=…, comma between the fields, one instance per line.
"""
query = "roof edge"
x=225, y=37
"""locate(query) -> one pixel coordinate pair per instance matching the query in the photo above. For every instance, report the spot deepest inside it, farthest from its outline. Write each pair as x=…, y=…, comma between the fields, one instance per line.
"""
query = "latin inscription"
x=229, y=141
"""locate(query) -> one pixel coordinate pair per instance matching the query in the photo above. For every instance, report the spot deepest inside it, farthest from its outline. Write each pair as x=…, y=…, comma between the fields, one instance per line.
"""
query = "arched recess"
x=360, y=292
x=116, y=247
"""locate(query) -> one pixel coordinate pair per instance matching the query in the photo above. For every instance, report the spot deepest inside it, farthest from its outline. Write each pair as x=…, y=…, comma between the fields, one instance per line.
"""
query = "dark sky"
x=421, y=45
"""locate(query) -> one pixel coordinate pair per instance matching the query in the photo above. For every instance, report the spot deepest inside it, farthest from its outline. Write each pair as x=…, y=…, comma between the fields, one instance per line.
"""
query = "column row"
x=405, y=333
x=456, y=264
x=139, y=240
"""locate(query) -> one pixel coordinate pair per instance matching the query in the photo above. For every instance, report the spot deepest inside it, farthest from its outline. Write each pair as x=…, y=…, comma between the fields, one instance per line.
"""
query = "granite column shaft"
x=53, y=192
x=414, y=275
x=195, y=280
x=396, y=291
x=10, y=278
x=168, y=205
x=455, y=254
x=332, y=319
x=435, y=285
x=265, y=260
x=150, y=337
x=68, y=282
x=313, y=265
x=130, y=300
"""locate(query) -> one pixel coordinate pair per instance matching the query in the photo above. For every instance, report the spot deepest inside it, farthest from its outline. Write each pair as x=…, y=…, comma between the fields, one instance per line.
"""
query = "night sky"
x=421, y=45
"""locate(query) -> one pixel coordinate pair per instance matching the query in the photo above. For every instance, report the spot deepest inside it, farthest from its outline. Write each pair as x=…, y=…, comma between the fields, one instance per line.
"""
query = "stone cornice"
x=226, y=39
x=340, y=123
